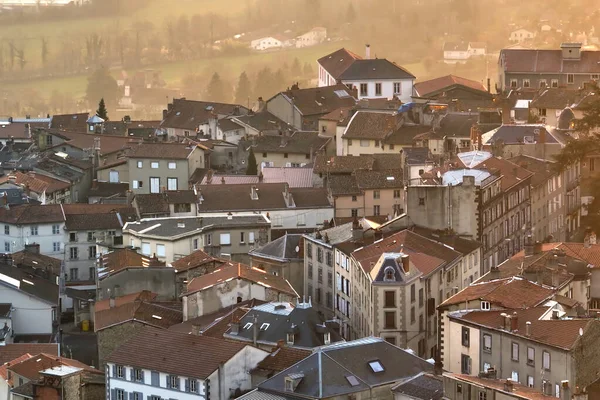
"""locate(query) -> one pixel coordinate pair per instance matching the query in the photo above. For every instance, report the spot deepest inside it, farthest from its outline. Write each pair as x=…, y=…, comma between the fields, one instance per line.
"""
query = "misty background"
x=61, y=59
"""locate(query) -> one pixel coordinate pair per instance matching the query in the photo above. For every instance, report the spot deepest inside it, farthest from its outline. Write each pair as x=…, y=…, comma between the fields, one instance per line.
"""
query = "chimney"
x=514, y=322
x=196, y=329
x=506, y=119
x=489, y=85
x=261, y=104
x=164, y=114
x=508, y=386
x=33, y=248
x=254, y=330
x=406, y=263
x=529, y=246
x=528, y=328
x=253, y=193
x=586, y=241
x=111, y=301
x=554, y=314
x=506, y=319
x=280, y=343
x=235, y=328
x=537, y=247
x=368, y=51
x=592, y=238
x=284, y=139
x=555, y=277
x=95, y=184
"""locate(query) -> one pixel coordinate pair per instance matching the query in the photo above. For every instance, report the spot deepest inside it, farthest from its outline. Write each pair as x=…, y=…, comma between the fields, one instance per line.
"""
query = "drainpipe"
x=221, y=374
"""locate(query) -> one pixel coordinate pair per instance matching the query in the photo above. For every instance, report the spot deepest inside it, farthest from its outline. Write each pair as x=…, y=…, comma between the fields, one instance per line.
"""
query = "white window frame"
x=514, y=83
x=154, y=165
x=146, y=249
x=526, y=83
x=172, y=165
x=397, y=87
x=225, y=239
x=140, y=164
x=135, y=185
x=161, y=250
x=154, y=184
x=570, y=79
x=170, y=182
x=365, y=143
x=251, y=237
x=554, y=83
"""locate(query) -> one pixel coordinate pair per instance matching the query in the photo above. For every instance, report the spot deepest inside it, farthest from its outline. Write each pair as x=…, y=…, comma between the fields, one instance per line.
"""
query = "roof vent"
x=181, y=225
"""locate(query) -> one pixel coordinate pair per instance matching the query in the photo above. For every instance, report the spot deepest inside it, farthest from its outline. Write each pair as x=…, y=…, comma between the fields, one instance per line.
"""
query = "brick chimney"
x=406, y=263
x=514, y=322
x=368, y=51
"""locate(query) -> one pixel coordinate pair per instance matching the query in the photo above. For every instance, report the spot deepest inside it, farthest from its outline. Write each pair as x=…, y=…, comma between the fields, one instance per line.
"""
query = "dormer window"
x=289, y=384
x=290, y=338
x=248, y=325
x=327, y=338
x=264, y=327
x=485, y=305
x=389, y=275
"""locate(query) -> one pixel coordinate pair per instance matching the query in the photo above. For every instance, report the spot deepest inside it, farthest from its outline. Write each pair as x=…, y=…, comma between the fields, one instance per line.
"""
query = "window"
x=513, y=83
x=160, y=250
x=412, y=315
x=120, y=371
x=113, y=176
x=421, y=323
x=154, y=185
x=421, y=201
x=530, y=356
x=56, y=247
x=526, y=83
x=33, y=230
x=365, y=143
x=7, y=247
x=182, y=208
x=354, y=212
x=397, y=88
x=466, y=333
x=390, y=320
x=485, y=305
x=396, y=194
x=285, y=155
x=458, y=388
x=140, y=164
x=264, y=326
x=330, y=279
x=465, y=364
x=195, y=244
x=376, y=366
x=120, y=394
x=482, y=396
x=542, y=83
x=364, y=91
x=138, y=375
x=251, y=237
x=73, y=253
x=225, y=239
x=487, y=343
x=146, y=248
x=376, y=210
x=137, y=184
x=91, y=236
x=554, y=83
x=154, y=165
x=319, y=254
x=193, y=386
x=570, y=79
x=173, y=382
x=595, y=77
x=546, y=360
x=530, y=381
x=392, y=146
x=421, y=297
x=557, y=390
x=514, y=376
x=7, y=229
x=376, y=194
x=300, y=221
x=320, y=275
x=413, y=293
x=172, y=183
x=92, y=252
x=378, y=89
x=172, y=165
x=55, y=229
x=390, y=299
x=329, y=258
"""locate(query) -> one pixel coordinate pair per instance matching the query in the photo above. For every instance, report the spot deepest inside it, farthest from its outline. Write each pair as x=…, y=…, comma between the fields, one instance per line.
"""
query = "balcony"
x=572, y=184
x=573, y=205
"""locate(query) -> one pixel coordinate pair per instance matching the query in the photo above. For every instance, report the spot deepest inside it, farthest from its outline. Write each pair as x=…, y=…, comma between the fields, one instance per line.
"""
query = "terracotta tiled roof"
x=190, y=114
x=318, y=101
x=557, y=333
x=108, y=143
x=15, y=350
x=30, y=259
x=512, y=293
x=31, y=367
x=121, y=259
x=197, y=259
x=425, y=254
x=338, y=61
x=171, y=151
x=37, y=183
x=76, y=122
x=197, y=356
x=371, y=125
x=144, y=295
x=139, y=311
x=282, y=358
x=589, y=254
x=524, y=392
x=342, y=164
x=436, y=85
x=4, y=367
x=32, y=214
x=240, y=271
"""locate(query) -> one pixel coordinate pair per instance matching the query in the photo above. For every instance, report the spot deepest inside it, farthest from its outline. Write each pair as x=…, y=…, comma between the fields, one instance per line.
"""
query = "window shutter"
x=113, y=394
x=187, y=385
x=131, y=396
x=131, y=376
x=114, y=371
x=469, y=365
x=143, y=381
x=155, y=379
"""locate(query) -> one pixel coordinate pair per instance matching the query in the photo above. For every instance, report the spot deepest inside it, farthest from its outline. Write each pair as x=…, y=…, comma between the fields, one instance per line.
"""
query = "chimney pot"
x=528, y=328
x=514, y=322
x=406, y=263
x=368, y=51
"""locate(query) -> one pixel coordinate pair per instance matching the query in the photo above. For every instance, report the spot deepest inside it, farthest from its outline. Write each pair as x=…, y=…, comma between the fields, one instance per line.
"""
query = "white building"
x=266, y=43
x=521, y=35
x=372, y=78
x=144, y=367
x=312, y=38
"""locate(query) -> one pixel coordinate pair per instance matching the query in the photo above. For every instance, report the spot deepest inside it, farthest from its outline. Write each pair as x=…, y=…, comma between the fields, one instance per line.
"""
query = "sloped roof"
x=194, y=260
x=519, y=134
x=33, y=285
x=549, y=61
x=121, y=259
x=456, y=46
x=240, y=271
x=281, y=249
x=144, y=295
x=542, y=169
x=139, y=311
x=512, y=293
x=296, y=177
x=189, y=114
x=524, y=392
x=342, y=164
x=4, y=367
x=375, y=68
x=76, y=122
x=163, y=151
x=31, y=367
x=338, y=61
x=371, y=125
x=296, y=143
x=197, y=356
x=589, y=254
x=32, y=214
x=557, y=333
x=556, y=98
x=437, y=85
x=320, y=100
x=424, y=386
x=282, y=358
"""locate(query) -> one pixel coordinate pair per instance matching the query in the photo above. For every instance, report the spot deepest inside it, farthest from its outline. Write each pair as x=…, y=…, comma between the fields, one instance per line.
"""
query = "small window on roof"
x=248, y=325
x=352, y=380
x=376, y=366
x=264, y=327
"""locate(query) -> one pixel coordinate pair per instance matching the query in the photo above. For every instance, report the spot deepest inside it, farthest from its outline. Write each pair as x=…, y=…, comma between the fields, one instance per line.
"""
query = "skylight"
x=248, y=325
x=341, y=93
x=352, y=380
x=376, y=366
x=156, y=316
x=26, y=281
x=264, y=327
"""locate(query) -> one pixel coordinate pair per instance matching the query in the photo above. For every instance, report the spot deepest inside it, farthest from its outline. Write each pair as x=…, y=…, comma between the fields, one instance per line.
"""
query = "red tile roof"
x=172, y=151
x=197, y=259
x=512, y=293
x=240, y=271
x=338, y=61
x=37, y=183
x=15, y=350
x=524, y=392
x=549, y=61
x=438, y=84
x=121, y=259
x=144, y=295
x=139, y=311
x=31, y=367
x=197, y=356
x=282, y=358
x=4, y=367
x=427, y=255
x=557, y=333
x=589, y=254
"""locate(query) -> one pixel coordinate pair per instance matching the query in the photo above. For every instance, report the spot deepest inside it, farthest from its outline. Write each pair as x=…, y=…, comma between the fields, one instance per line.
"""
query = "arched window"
x=390, y=274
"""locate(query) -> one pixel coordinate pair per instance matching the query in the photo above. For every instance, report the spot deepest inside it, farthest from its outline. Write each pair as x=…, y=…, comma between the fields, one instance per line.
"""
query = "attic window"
x=390, y=274
x=485, y=305
x=290, y=338
x=156, y=317
x=327, y=338
x=264, y=327
x=376, y=366
x=178, y=113
x=352, y=380
x=248, y=325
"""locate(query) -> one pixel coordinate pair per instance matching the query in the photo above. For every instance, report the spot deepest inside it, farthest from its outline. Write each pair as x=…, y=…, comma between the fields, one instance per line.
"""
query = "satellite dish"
x=297, y=249
x=580, y=331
